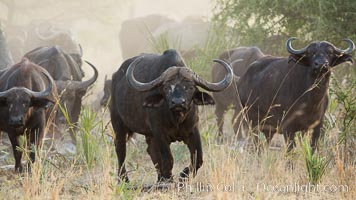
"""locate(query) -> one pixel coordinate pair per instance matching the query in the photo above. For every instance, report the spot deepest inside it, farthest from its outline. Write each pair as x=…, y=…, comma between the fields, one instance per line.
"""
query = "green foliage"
x=268, y=23
x=89, y=143
x=217, y=42
x=345, y=96
x=315, y=164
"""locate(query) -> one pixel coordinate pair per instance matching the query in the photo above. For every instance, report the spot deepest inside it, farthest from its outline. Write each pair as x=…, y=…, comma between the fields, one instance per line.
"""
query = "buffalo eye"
x=166, y=88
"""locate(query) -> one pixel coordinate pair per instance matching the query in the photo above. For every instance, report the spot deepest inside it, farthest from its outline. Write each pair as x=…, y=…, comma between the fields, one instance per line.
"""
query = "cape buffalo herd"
x=157, y=95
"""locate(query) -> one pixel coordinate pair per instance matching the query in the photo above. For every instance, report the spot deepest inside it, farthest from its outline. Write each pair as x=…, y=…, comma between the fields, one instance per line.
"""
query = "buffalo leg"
x=120, y=147
x=289, y=138
x=316, y=136
x=161, y=157
x=17, y=153
x=220, y=112
x=75, y=116
x=34, y=141
x=196, y=154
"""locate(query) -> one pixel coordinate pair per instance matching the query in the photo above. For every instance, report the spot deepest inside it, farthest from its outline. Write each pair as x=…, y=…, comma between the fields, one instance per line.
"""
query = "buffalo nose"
x=178, y=101
x=318, y=63
x=16, y=121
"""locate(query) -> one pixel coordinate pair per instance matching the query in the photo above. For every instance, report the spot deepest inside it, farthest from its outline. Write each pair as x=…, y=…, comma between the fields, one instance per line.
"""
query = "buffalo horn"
x=34, y=94
x=349, y=49
x=77, y=85
x=219, y=86
x=291, y=50
x=139, y=85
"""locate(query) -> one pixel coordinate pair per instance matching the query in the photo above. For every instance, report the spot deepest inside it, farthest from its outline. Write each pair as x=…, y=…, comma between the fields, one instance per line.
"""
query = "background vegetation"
x=269, y=22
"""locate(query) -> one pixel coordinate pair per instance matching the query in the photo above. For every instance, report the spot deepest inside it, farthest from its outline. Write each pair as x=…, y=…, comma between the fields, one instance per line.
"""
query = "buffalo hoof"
x=184, y=175
x=123, y=179
x=19, y=170
x=165, y=179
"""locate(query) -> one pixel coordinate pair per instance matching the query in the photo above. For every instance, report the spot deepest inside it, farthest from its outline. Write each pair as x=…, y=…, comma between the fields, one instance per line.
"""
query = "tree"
x=257, y=21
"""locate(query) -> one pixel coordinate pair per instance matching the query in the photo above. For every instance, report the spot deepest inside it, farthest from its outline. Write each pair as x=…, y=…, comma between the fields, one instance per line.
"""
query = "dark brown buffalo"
x=27, y=96
x=229, y=99
x=68, y=74
x=287, y=95
x=157, y=96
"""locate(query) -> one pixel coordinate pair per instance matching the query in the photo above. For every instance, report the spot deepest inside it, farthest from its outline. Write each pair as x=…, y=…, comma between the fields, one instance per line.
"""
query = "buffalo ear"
x=153, y=101
x=302, y=60
x=343, y=58
x=203, y=98
x=41, y=103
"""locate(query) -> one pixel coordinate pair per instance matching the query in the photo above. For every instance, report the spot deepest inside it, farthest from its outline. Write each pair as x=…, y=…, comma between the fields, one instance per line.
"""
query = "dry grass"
x=226, y=173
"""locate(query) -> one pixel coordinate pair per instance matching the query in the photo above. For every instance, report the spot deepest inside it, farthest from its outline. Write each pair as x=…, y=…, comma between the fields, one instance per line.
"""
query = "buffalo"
x=287, y=95
x=27, y=105
x=68, y=74
x=229, y=98
x=159, y=100
x=22, y=39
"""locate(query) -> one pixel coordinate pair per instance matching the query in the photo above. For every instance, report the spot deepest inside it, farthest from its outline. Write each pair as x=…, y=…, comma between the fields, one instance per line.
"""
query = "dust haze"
x=96, y=24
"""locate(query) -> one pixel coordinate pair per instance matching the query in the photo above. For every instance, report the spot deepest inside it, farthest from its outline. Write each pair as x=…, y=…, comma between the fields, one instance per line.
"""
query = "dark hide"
x=164, y=114
x=23, y=113
x=287, y=95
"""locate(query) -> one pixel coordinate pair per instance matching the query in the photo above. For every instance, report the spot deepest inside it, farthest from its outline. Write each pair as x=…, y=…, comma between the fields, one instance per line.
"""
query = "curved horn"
x=349, y=49
x=291, y=50
x=138, y=85
x=34, y=94
x=74, y=85
x=219, y=86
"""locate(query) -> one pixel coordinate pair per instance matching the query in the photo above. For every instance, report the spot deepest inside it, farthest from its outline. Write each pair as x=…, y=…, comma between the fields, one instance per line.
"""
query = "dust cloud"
x=96, y=24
